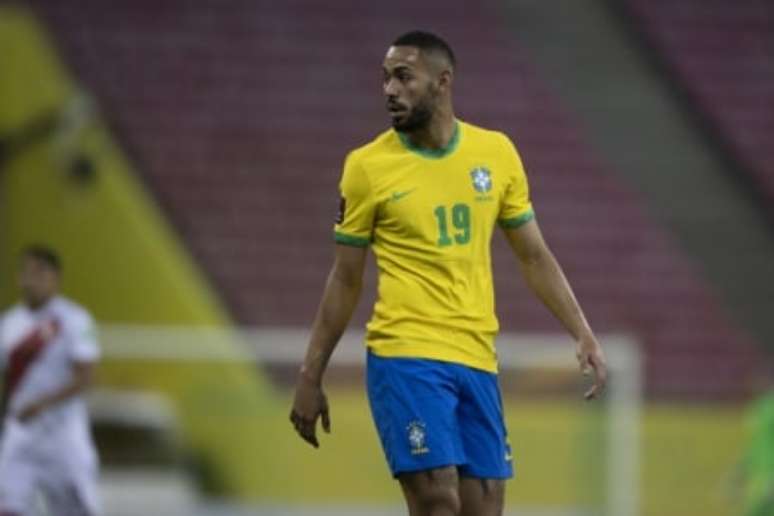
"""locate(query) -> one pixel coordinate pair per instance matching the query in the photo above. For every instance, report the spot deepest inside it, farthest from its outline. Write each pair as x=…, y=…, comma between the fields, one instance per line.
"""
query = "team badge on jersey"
x=482, y=179
x=416, y=437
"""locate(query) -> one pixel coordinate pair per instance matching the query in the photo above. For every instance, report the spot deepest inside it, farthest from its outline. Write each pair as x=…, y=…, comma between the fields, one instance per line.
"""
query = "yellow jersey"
x=429, y=217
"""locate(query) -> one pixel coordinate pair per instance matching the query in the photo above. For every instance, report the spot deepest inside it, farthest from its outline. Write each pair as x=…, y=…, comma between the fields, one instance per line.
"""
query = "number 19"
x=461, y=221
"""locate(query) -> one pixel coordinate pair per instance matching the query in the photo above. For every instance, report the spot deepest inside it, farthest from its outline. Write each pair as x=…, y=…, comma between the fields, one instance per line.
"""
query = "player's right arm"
x=342, y=291
x=353, y=232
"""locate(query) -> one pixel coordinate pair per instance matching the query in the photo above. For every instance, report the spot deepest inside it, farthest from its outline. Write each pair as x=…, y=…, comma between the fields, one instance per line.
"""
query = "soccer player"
x=49, y=349
x=757, y=468
x=426, y=195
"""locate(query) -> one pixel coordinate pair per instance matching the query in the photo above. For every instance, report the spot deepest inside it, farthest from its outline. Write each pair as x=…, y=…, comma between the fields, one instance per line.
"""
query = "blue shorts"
x=431, y=414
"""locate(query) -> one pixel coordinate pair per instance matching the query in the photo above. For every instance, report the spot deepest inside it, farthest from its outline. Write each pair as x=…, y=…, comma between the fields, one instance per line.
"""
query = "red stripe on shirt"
x=24, y=354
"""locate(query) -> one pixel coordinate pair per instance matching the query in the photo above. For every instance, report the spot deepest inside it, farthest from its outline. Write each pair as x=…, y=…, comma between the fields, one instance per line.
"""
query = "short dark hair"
x=44, y=254
x=426, y=41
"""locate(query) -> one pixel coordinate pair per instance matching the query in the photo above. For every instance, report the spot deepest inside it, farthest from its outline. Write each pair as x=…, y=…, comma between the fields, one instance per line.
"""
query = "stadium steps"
x=721, y=56
x=635, y=120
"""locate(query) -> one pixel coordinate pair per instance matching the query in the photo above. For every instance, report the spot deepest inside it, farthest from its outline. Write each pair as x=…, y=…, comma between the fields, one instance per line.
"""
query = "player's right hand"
x=309, y=404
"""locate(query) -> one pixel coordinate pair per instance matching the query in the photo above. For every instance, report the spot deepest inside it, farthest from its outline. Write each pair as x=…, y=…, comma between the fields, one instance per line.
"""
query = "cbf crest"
x=416, y=437
x=482, y=179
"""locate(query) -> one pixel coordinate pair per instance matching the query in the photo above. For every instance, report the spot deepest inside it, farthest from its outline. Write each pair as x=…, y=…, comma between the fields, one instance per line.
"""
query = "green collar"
x=433, y=153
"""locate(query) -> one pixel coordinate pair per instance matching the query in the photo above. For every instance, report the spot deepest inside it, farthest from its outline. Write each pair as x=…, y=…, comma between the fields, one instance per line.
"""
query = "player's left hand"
x=591, y=358
x=30, y=412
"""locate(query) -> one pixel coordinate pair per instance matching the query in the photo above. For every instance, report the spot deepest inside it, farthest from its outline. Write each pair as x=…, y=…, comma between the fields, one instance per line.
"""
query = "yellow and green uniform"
x=429, y=216
x=759, y=460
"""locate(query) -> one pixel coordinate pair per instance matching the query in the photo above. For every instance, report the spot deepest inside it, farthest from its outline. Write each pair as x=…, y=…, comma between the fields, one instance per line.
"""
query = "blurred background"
x=183, y=157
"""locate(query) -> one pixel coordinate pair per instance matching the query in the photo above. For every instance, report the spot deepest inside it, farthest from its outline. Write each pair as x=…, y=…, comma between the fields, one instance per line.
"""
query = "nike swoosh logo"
x=397, y=196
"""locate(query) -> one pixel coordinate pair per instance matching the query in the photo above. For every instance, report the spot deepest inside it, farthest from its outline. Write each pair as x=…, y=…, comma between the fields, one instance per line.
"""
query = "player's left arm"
x=546, y=279
x=83, y=353
x=80, y=380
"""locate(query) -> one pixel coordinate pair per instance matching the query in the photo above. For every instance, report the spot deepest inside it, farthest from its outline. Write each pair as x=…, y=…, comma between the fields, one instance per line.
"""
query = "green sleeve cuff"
x=354, y=241
x=516, y=222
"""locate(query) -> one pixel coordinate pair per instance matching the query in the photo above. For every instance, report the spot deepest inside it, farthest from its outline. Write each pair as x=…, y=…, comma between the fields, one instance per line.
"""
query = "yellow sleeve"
x=357, y=206
x=516, y=208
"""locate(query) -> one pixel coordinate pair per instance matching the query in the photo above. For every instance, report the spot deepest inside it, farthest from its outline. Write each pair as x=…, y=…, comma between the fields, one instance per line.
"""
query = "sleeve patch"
x=342, y=210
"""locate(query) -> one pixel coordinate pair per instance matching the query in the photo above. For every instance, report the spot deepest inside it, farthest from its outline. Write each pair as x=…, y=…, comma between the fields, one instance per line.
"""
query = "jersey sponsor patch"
x=342, y=210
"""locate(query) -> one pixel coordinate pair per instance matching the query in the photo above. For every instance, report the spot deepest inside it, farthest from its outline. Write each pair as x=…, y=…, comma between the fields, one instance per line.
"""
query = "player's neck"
x=438, y=133
x=37, y=304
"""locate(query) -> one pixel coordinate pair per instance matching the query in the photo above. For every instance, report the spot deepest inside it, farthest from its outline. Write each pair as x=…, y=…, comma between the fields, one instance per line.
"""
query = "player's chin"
x=396, y=116
x=400, y=120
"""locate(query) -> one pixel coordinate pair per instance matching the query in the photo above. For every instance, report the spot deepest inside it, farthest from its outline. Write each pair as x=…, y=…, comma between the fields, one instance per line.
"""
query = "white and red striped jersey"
x=38, y=348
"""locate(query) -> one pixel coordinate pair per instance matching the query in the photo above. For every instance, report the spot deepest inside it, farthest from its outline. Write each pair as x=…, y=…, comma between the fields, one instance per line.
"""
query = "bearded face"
x=411, y=89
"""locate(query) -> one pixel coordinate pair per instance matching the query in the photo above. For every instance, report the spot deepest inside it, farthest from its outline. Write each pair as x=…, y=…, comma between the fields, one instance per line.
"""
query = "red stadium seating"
x=240, y=113
x=723, y=54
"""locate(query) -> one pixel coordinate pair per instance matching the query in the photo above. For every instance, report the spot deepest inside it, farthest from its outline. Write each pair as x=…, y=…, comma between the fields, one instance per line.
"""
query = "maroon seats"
x=723, y=53
x=239, y=115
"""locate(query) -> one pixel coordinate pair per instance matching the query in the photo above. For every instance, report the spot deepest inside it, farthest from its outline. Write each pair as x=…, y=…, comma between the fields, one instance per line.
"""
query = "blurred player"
x=757, y=468
x=48, y=347
x=427, y=195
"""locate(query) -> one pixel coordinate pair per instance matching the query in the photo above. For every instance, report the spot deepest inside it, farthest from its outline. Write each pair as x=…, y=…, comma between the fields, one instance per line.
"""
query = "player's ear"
x=445, y=79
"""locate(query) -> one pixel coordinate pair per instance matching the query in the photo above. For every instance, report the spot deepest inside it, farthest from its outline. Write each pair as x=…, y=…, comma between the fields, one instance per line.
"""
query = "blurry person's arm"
x=546, y=279
x=339, y=299
x=80, y=381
